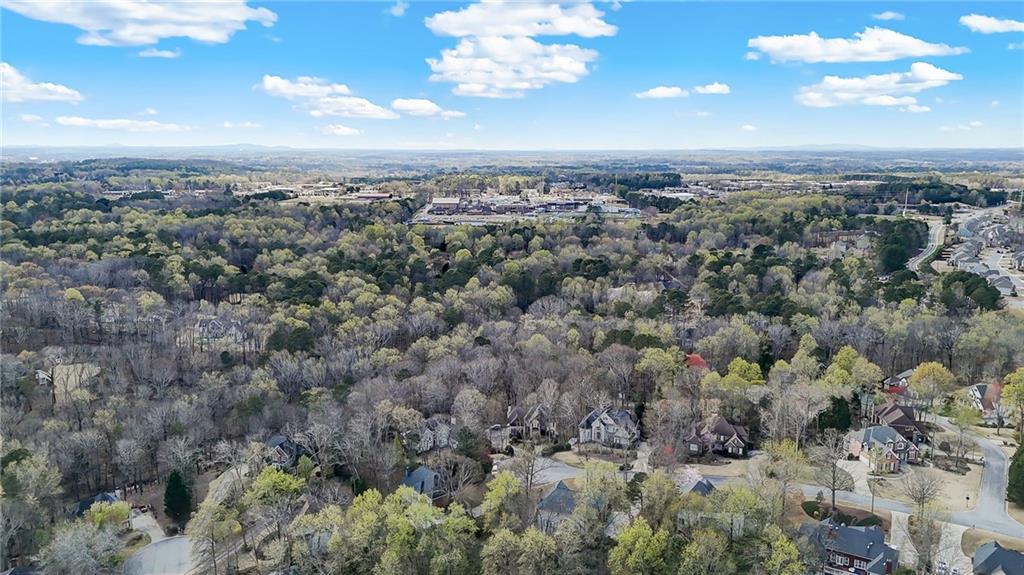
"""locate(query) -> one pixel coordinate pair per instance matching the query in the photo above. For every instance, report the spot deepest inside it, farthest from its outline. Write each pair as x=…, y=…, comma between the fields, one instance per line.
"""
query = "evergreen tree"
x=177, y=498
x=1015, y=485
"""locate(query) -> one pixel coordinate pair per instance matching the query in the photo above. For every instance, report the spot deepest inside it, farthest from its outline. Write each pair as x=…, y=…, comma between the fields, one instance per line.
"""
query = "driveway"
x=170, y=556
x=146, y=523
x=859, y=471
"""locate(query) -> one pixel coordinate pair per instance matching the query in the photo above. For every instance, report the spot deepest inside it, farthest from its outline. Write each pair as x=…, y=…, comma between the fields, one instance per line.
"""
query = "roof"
x=695, y=360
x=702, y=488
x=992, y=558
x=85, y=504
x=880, y=434
x=860, y=541
x=722, y=426
x=560, y=500
x=621, y=417
x=423, y=479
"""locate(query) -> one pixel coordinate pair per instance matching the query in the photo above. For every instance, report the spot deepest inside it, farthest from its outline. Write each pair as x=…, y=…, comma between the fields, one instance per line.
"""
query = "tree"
x=110, y=515
x=964, y=418
x=1013, y=394
x=707, y=553
x=501, y=506
x=931, y=380
x=779, y=555
x=538, y=553
x=81, y=547
x=922, y=488
x=500, y=554
x=639, y=550
x=826, y=455
x=785, y=463
x=211, y=525
x=1015, y=484
x=177, y=498
x=658, y=496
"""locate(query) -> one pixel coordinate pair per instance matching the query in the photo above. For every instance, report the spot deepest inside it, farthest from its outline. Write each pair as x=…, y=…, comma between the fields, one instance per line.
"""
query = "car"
x=955, y=571
x=941, y=568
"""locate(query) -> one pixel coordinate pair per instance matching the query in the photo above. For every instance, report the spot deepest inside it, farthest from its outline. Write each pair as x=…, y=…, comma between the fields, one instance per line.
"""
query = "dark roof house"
x=994, y=559
x=423, y=480
x=554, y=507
x=851, y=549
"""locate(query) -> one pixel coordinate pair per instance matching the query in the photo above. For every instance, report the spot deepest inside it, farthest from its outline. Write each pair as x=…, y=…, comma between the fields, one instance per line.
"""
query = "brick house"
x=882, y=448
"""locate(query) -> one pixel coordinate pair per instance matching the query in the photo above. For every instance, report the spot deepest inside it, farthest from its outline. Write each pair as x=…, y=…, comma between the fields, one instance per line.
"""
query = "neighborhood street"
x=936, y=237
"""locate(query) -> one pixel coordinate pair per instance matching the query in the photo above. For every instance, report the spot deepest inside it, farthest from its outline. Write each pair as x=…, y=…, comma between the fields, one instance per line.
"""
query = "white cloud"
x=142, y=23
x=120, y=124
x=712, y=88
x=521, y=19
x=18, y=88
x=1015, y=46
x=155, y=53
x=990, y=25
x=398, y=9
x=916, y=108
x=241, y=125
x=498, y=67
x=702, y=114
x=301, y=87
x=752, y=56
x=748, y=128
x=423, y=107
x=150, y=111
x=994, y=104
x=661, y=92
x=323, y=98
x=497, y=55
x=876, y=90
x=339, y=130
x=33, y=119
x=888, y=15
x=871, y=45
x=962, y=127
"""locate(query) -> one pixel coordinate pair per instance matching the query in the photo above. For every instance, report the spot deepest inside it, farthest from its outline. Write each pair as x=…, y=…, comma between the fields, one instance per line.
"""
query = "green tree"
x=707, y=553
x=1015, y=485
x=500, y=554
x=639, y=550
x=111, y=514
x=1013, y=395
x=177, y=498
x=501, y=504
x=779, y=555
x=538, y=553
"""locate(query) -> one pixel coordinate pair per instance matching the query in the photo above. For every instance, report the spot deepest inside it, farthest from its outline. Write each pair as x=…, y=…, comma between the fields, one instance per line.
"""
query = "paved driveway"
x=171, y=556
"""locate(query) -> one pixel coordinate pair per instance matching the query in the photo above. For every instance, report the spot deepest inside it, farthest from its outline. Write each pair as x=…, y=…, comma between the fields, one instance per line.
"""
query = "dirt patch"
x=953, y=496
x=1016, y=512
x=974, y=538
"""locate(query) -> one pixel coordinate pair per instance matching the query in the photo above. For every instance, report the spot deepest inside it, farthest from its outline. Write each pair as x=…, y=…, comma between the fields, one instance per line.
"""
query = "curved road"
x=936, y=237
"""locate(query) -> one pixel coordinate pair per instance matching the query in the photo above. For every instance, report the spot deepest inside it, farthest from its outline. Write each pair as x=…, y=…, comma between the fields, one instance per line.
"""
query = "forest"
x=188, y=331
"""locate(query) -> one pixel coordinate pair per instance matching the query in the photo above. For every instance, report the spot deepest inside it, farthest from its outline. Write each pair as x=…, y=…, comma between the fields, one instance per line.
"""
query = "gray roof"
x=991, y=558
x=865, y=542
x=560, y=500
x=423, y=479
x=702, y=488
x=880, y=434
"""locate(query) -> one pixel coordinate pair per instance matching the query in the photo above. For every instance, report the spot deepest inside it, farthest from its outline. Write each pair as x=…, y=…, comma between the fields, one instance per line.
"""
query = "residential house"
x=610, y=427
x=283, y=452
x=994, y=559
x=437, y=432
x=1004, y=284
x=902, y=418
x=554, y=507
x=987, y=398
x=848, y=549
x=84, y=505
x=530, y=422
x=882, y=448
x=425, y=481
x=897, y=383
x=1017, y=260
x=718, y=435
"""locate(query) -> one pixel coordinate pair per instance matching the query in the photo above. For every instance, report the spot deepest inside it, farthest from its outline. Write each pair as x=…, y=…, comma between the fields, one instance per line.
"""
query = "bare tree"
x=831, y=448
x=922, y=488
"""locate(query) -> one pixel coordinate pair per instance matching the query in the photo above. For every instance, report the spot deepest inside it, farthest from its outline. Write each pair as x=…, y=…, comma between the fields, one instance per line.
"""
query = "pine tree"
x=177, y=498
x=1015, y=485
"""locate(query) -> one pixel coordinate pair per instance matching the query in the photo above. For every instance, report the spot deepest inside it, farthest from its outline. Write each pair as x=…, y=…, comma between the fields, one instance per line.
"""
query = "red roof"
x=695, y=360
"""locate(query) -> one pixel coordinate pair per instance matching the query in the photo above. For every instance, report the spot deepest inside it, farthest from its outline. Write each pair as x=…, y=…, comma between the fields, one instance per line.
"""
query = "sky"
x=516, y=75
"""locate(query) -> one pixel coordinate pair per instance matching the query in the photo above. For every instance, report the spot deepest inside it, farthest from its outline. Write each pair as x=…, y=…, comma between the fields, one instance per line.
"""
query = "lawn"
x=974, y=538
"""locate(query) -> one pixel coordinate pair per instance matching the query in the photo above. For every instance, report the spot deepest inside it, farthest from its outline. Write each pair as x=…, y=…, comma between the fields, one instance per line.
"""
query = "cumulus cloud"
x=150, y=111
x=398, y=9
x=154, y=53
x=321, y=97
x=712, y=88
x=120, y=124
x=871, y=45
x=1015, y=46
x=661, y=92
x=241, y=125
x=748, y=128
x=991, y=25
x=497, y=55
x=752, y=56
x=423, y=107
x=339, y=130
x=962, y=127
x=916, y=108
x=528, y=19
x=888, y=15
x=33, y=119
x=877, y=90
x=142, y=23
x=18, y=88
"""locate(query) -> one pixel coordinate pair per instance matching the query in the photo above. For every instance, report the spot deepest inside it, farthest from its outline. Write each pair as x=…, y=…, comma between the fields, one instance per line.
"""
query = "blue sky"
x=514, y=76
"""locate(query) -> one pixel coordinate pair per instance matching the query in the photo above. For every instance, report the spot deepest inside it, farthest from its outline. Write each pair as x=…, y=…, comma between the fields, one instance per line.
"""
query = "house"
x=994, y=559
x=554, y=507
x=530, y=422
x=718, y=435
x=425, y=481
x=283, y=452
x=987, y=398
x=609, y=427
x=84, y=505
x=882, y=448
x=897, y=383
x=435, y=433
x=848, y=549
x=902, y=418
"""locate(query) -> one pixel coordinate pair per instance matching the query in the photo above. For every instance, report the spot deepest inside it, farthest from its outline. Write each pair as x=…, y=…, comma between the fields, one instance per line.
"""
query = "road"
x=936, y=237
x=171, y=556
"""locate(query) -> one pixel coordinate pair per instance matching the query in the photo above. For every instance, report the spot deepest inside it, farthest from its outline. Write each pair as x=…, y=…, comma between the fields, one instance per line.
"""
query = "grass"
x=974, y=538
x=844, y=515
x=133, y=541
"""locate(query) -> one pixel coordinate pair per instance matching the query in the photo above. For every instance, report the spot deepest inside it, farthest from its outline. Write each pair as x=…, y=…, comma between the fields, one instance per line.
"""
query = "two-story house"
x=902, y=418
x=845, y=549
x=610, y=427
x=882, y=448
x=718, y=435
x=530, y=422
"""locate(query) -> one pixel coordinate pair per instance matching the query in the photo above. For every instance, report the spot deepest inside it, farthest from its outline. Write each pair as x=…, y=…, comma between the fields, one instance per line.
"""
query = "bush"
x=550, y=450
